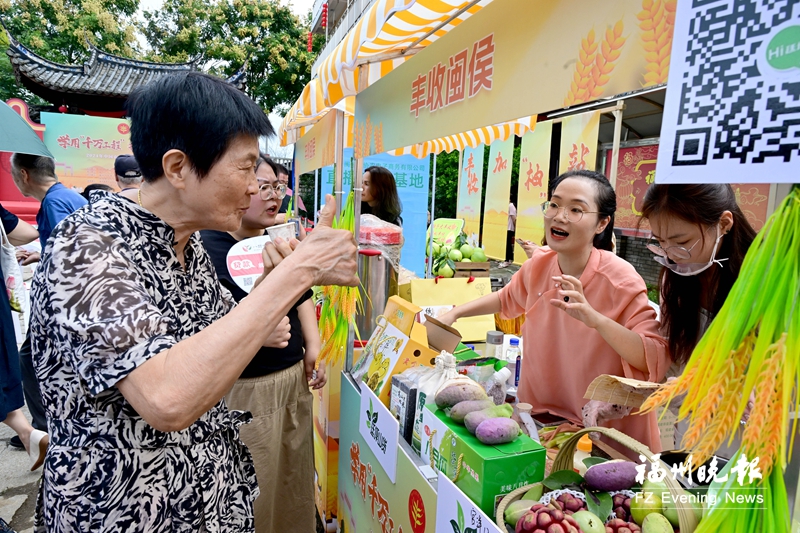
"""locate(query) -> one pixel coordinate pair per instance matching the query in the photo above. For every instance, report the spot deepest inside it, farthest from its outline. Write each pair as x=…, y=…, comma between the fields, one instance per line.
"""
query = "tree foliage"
x=221, y=35
x=227, y=33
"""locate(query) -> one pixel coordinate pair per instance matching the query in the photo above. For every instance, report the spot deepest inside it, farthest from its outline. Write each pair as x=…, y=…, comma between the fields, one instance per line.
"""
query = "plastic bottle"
x=494, y=344
x=582, y=451
x=514, y=358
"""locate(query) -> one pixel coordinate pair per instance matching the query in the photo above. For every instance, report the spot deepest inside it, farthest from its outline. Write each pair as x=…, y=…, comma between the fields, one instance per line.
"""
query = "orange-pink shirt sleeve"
x=514, y=296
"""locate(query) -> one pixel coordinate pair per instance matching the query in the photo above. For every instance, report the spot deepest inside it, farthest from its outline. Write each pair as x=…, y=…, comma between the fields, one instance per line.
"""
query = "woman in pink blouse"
x=586, y=310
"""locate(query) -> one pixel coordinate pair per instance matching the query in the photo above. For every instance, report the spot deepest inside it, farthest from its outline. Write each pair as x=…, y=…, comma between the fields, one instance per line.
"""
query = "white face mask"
x=692, y=269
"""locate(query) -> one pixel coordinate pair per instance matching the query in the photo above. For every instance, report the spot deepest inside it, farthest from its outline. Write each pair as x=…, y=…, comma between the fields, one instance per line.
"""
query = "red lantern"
x=310, y=41
x=62, y=108
x=324, y=21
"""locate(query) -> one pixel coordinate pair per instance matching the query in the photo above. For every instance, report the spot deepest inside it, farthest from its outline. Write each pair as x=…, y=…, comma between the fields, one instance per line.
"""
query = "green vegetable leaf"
x=455, y=526
x=451, y=264
x=460, y=517
x=591, y=461
x=599, y=503
x=557, y=480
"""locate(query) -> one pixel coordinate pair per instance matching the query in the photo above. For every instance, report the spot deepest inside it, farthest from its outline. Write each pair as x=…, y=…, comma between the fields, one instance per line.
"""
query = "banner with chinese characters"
x=501, y=64
x=368, y=500
x=412, y=176
x=579, y=142
x=636, y=171
x=534, y=167
x=470, y=184
x=498, y=191
x=85, y=147
x=317, y=148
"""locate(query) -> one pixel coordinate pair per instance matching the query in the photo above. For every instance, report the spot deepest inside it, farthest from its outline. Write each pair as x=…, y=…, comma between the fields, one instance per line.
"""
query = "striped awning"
x=386, y=29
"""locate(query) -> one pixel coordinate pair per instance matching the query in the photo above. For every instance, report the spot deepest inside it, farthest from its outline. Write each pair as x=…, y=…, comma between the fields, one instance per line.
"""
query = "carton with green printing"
x=487, y=472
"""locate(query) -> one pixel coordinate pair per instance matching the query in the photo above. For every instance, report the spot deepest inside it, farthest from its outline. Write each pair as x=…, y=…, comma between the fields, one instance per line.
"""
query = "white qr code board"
x=732, y=110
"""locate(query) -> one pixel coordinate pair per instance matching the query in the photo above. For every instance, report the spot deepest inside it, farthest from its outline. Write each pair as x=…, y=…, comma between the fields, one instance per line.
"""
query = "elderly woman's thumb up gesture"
x=329, y=255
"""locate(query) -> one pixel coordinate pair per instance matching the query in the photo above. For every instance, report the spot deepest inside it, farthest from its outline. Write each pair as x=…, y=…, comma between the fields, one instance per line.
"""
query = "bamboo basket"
x=686, y=517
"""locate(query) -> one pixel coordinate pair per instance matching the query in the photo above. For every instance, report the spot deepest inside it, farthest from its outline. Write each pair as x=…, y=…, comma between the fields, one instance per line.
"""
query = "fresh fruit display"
x=475, y=418
x=445, y=256
x=616, y=525
x=622, y=507
x=497, y=431
x=517, y=510
x=459, y=390
x=644, y=504
x=589, y=522
x=656, y=523
x=611, y=475
x=462, y=409
x=570, y=503
x=751, y=347
x=535, y=492
x=547, y=519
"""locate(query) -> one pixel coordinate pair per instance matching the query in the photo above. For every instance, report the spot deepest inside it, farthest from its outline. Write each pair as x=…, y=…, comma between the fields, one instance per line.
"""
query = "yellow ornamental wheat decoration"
x=339, y=304
x=379, y=138
x=657, y=22
x=367, y=137
x=751, y=348
x=595, y=63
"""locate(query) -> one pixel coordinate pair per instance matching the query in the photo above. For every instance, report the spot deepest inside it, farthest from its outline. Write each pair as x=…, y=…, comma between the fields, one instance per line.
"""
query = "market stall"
x=404, y=452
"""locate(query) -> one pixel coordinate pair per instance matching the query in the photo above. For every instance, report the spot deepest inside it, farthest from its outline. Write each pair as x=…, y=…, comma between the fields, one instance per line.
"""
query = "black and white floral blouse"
x=108, y=295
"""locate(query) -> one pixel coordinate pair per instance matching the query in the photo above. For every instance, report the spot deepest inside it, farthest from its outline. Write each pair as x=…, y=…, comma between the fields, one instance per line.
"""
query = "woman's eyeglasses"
x=267, y=191
x=573, y=212
x=678, y=252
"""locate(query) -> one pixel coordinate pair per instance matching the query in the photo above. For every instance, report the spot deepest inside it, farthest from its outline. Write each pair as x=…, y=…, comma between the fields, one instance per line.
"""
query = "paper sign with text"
x=244, y=261
x=380, y=430
x=456, y=512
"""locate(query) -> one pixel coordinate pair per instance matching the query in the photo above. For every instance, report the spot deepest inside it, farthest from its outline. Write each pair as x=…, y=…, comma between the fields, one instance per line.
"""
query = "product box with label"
x=398, y=343
x=402, y=404
x=488, y=472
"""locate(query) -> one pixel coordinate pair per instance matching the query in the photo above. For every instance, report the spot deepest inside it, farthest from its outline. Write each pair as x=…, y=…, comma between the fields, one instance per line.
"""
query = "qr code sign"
x=733, y=97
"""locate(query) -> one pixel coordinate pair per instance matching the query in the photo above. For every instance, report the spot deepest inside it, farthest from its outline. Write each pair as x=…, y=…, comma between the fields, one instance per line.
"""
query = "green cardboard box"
x=488, y=472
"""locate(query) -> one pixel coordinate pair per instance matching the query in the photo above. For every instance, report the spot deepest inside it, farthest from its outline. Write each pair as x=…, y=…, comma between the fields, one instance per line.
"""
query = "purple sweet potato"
x=611, y=475
x=462, y=409
x=497, y=431
x=474, y=419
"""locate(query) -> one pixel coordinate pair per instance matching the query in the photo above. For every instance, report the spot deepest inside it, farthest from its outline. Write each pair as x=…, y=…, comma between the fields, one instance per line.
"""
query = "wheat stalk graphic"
x=596, y=61
x=657, y=22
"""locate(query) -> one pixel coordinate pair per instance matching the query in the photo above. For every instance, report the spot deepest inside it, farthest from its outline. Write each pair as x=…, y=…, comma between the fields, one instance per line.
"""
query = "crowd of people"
x=164, y=397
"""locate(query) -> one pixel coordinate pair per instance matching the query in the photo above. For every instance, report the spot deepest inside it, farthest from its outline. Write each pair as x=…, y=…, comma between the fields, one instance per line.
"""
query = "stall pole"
x=338, y=160
x=615, y=149
x=433, y=219
x=316, y=195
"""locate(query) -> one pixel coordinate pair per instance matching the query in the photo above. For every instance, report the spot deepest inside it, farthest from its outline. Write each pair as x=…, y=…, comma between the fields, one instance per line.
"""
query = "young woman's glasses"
x=573, y=212
x=267, y=191
x=678, y=252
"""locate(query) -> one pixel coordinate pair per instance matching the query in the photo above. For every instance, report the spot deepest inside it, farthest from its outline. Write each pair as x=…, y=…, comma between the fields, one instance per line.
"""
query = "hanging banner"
x=368, y=500
x=534, y=167
x=498, y=191
x=85, y=148
x=470, y=184
x=636, y=172
x=317, y=148
x=579, y=142
x=412, y=176
x=731, y=110
x=472, y=77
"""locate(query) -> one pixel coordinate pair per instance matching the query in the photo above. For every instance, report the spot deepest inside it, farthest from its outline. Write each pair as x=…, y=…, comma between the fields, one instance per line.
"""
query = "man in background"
x=127, y=171
x=35, y=177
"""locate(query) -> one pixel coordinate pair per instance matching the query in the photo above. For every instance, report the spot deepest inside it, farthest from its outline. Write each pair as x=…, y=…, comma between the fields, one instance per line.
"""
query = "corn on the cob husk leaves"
x=340, y=304
x=752, y=346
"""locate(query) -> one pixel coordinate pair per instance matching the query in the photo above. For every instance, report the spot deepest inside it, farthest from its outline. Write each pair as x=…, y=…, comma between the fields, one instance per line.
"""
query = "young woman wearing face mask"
x=700, y=237
x=586, y=309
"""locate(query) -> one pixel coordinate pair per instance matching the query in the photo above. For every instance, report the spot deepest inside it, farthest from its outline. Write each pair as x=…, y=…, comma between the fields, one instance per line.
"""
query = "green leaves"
x=599, y=503
x=557, y=480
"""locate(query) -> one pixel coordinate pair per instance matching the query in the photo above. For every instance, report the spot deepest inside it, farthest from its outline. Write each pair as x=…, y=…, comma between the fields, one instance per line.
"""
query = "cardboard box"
x=402, y=404
x=487, y=472
x=391, y=351
x=476, y=270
